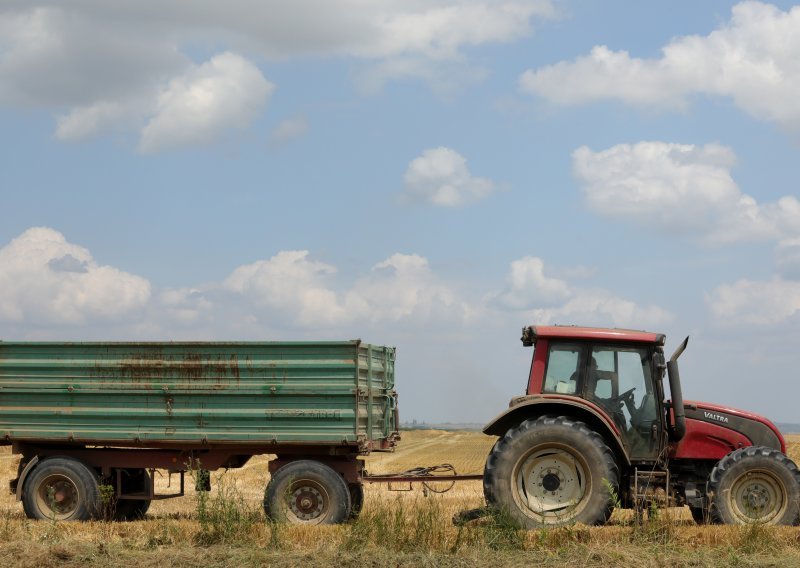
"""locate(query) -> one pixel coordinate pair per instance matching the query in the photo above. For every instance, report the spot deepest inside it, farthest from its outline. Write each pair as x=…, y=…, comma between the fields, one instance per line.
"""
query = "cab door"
x=620, y=379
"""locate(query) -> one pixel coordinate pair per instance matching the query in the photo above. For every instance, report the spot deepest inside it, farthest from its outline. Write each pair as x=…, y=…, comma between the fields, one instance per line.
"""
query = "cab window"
x=563, y=369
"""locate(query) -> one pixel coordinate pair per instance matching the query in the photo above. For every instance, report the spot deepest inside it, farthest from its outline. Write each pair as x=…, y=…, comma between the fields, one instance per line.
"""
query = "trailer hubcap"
x=58, y=496
x=307, y=502
x=551, y=482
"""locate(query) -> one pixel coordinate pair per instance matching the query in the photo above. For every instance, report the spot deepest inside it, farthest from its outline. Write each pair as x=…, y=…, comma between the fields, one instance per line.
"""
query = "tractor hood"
x=713, y=431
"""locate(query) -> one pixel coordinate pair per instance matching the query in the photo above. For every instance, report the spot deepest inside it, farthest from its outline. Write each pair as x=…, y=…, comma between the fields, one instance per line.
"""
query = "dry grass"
x=400, y=528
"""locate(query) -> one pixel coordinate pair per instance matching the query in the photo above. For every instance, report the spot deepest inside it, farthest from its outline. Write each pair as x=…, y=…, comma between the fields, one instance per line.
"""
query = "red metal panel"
x=536, y=377
x=707, y=441
x=574, y=332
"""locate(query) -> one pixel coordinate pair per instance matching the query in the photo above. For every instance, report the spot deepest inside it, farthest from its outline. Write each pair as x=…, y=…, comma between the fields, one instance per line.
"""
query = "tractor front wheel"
x=552, y=471
x=755, y=485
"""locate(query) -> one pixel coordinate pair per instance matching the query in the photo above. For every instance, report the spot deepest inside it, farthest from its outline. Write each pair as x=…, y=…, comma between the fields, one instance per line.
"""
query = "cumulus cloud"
x=291, y=285
x=602, y=308
x=107, y=63
x=440, y=177
x=403, y=287
x=186, y=306
x=527, y=286
x=44, y=279
x=226, y=92
x=547, y=300
x=787, y=258
x=680, y=188
x=751, y=59
x=756, y=302
x=297, y=290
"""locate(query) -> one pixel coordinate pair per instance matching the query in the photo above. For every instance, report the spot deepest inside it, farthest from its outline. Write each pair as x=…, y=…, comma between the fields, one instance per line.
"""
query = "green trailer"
x=82, y=415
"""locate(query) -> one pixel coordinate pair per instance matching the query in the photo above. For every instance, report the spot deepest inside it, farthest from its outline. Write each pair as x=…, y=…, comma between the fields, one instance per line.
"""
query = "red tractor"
x=595, y=431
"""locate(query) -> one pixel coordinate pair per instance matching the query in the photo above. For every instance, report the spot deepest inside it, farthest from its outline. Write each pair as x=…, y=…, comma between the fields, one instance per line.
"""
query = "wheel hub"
x=551, y=482
x=58, y=495
x=757, y=497
x=307, y=503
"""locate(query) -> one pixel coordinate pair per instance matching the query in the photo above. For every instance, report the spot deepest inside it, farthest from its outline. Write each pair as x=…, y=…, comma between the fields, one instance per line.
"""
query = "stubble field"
x=397, y=527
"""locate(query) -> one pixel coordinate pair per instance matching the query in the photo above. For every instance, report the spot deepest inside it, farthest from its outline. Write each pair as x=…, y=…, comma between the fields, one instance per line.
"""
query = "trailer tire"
x=61, y=489
x=356, y=499
x=307, y=492
x=552, y=471
x=755, y=485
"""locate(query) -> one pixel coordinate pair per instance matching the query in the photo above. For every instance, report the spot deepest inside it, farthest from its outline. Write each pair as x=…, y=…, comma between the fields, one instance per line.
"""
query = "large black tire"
x=61, y=489
x=552, y=471
x=755, y=485
x=133, y=481
x=356, y=499
x=307, y=492
x=700, y=515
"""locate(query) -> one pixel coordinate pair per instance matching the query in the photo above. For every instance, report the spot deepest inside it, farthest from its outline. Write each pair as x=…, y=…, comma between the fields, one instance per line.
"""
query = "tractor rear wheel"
x=755, y=485
x=552, y=471
x=700, y=515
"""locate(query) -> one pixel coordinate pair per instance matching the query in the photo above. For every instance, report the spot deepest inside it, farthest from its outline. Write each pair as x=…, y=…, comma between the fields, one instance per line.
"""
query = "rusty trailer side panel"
x=198, y=394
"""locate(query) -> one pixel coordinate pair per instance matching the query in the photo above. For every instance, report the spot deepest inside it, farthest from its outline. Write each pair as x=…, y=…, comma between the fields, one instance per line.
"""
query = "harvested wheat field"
x=397, y=528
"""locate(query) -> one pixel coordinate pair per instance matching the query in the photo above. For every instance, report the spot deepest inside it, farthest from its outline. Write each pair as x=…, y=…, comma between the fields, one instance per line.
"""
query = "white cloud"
x=601, y=308
x=106, y=62
x=288, y=130
x=752, y=302
x=226, y=92
x=404, y=287
x=440, y=176
x=787, y=258
x=752, y=58
x=85, y=122
x=186, y=306
x=298, y=291
x=680, y=188
x=291, y=285
x=547, y=300
x=527, y=286
x=45, y=279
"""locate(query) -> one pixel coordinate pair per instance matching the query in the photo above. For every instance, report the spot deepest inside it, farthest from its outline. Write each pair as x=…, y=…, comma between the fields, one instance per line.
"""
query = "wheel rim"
x=57, y=497
x=550, y=484
x=308, y=502
x=758, y=497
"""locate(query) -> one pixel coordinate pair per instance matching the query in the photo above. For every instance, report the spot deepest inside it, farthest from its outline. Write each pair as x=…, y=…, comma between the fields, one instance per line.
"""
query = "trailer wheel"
x=755, y=485
x=551, y=471
x=133, y=481
x=307, y=492
x=356, y=499
x=61, y=489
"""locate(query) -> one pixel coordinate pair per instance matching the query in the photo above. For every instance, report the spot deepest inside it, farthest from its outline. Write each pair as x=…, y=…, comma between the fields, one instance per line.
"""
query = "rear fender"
x=526, y=408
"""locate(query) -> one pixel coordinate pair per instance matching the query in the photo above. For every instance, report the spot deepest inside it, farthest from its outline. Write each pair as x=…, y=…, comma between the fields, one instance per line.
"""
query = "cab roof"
x=533, y=332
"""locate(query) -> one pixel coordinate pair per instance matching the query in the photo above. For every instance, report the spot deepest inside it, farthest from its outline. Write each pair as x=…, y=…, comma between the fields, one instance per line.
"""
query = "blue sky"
x=432, y=175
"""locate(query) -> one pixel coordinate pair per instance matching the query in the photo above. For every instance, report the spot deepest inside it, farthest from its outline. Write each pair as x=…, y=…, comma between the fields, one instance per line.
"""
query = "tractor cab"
x=616, y=373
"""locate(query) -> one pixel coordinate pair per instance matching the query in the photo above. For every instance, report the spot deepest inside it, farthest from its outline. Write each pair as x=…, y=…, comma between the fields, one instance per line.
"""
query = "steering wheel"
x=628, y=394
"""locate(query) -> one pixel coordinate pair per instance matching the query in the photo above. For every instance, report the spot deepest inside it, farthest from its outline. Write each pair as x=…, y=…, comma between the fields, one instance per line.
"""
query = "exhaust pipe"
x=679, y=427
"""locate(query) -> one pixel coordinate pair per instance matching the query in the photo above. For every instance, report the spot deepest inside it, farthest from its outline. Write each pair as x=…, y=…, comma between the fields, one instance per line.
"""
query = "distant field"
x=399, y=528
